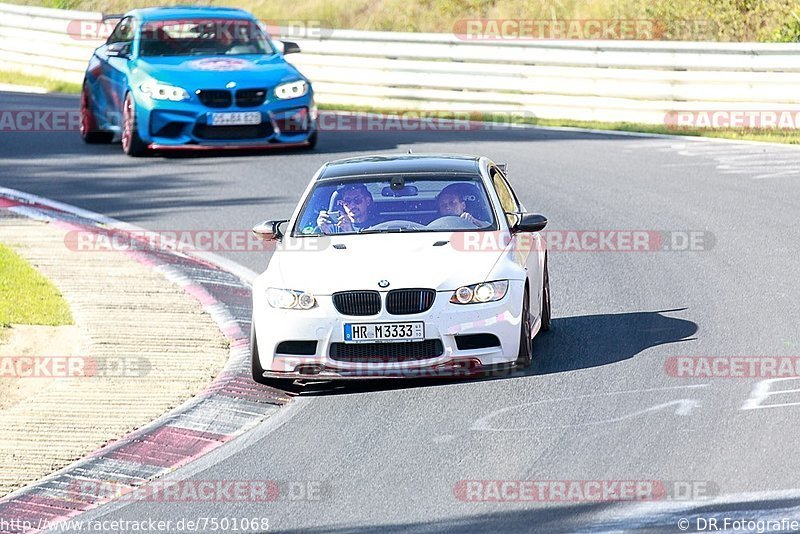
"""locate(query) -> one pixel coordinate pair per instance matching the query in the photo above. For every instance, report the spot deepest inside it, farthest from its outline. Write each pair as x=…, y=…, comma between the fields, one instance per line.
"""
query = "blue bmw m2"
x=195, y=78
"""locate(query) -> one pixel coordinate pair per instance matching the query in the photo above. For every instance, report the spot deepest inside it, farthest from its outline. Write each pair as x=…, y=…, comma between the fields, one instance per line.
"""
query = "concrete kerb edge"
x=31, y=206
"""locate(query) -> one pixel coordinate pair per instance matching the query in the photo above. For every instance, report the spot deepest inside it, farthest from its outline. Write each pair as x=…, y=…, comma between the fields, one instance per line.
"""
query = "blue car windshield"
x=212, y=37
x=396, y=203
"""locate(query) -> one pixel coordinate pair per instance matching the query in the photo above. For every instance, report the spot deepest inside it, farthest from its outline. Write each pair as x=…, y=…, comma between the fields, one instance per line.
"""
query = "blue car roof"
x=188, y=12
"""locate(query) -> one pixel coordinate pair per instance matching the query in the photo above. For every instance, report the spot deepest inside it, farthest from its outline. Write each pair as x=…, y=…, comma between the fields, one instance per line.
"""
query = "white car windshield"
x=396, y=203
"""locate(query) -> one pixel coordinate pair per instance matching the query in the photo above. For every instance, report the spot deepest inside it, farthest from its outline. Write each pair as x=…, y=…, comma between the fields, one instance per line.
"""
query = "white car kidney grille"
x=409, y=301
x=357, y=302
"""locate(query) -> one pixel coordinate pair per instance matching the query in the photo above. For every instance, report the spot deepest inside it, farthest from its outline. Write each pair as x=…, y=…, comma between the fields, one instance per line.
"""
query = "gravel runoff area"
x=145, y=347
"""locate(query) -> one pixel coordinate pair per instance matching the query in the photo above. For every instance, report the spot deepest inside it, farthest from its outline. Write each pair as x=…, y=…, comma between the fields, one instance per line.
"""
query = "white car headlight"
x=290, y=299
x=291, y=89
x=162, y=91
x=478, y=293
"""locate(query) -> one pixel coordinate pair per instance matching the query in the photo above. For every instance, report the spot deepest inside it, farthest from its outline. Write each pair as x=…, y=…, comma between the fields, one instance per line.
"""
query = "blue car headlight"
x=162, y=91
x=291, y=90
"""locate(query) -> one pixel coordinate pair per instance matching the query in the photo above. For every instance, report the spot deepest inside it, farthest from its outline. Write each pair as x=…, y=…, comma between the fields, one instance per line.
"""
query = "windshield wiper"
x=384, y=231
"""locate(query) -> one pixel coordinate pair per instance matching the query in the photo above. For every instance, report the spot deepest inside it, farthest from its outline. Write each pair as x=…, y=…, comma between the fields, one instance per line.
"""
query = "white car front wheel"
x=525, y=342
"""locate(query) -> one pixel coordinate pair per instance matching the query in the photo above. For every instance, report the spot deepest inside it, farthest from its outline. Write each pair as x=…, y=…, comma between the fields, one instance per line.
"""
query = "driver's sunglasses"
x=353, y=200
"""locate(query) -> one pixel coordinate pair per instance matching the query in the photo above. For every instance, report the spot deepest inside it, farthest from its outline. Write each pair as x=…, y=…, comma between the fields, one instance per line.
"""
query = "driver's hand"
x=324, y=222
x=345, y=224
x=471, y=219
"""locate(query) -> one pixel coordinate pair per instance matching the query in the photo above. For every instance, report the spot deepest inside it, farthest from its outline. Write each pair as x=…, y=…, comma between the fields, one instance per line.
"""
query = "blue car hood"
x=214, y=72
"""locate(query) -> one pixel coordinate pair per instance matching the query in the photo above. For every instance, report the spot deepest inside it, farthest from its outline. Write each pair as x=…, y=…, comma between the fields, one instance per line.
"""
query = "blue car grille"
x=215, y=98
x=221, y=98
x=409, y=301
x=250, y=98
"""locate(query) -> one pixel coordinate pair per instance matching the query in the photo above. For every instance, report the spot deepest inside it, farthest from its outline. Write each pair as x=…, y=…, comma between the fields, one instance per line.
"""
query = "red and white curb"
x=231, y=405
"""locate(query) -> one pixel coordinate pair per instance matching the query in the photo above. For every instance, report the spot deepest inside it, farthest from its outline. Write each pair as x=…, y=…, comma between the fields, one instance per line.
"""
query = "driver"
x=451, y=203
x=358, y=211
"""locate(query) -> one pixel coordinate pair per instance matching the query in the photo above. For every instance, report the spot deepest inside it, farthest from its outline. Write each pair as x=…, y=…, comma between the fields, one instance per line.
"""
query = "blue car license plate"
x=236, y=118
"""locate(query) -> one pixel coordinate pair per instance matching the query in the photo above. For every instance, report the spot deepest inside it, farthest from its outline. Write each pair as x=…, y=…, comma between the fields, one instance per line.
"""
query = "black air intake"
x=476, y=341
x=300, y=348
x=407, y=351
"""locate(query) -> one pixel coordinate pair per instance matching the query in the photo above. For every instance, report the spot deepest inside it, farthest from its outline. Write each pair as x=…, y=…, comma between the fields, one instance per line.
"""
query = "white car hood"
x=404, y=260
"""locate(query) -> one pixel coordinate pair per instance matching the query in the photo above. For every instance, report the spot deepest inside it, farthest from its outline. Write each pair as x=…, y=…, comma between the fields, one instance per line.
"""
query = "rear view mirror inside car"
x=406, y=191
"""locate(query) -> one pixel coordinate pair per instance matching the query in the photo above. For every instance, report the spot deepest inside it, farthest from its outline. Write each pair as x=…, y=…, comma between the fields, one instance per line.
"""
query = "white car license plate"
x=234, y=119
x=383, y=332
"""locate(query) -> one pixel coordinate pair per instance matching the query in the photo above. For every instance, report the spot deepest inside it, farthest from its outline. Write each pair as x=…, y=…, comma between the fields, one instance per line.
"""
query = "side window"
x=123, y=32
x=319, y=200
x=507, y=199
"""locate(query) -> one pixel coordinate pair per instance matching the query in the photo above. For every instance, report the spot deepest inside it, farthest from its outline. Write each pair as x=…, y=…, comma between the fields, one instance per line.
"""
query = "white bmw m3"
x=401, y=266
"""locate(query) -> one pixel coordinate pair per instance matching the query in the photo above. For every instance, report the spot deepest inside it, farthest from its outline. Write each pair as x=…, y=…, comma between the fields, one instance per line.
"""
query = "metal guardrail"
x=639, y=81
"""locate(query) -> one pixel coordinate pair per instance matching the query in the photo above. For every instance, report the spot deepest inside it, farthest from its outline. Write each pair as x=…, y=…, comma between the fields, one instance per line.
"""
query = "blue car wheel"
x=88, y=127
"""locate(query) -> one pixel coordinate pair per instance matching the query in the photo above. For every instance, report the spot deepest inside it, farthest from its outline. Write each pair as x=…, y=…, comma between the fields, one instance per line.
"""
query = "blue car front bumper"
x=166, y=124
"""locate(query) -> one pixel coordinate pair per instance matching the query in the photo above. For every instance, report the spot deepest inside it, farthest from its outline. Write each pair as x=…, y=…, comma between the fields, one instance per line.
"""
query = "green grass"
x=711, y=20
x=27, y=297
x=791, y=137
x=772, y=136
x=52, y=86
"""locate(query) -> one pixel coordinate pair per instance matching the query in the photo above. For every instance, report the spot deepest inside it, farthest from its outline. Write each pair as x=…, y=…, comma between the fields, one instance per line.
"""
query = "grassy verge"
x=27, y=297
x=52, y=86
x=765, y=135
x=791, y=137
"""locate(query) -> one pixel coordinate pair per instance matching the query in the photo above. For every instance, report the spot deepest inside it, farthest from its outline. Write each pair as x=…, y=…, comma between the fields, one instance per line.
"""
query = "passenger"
x=450, y=202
